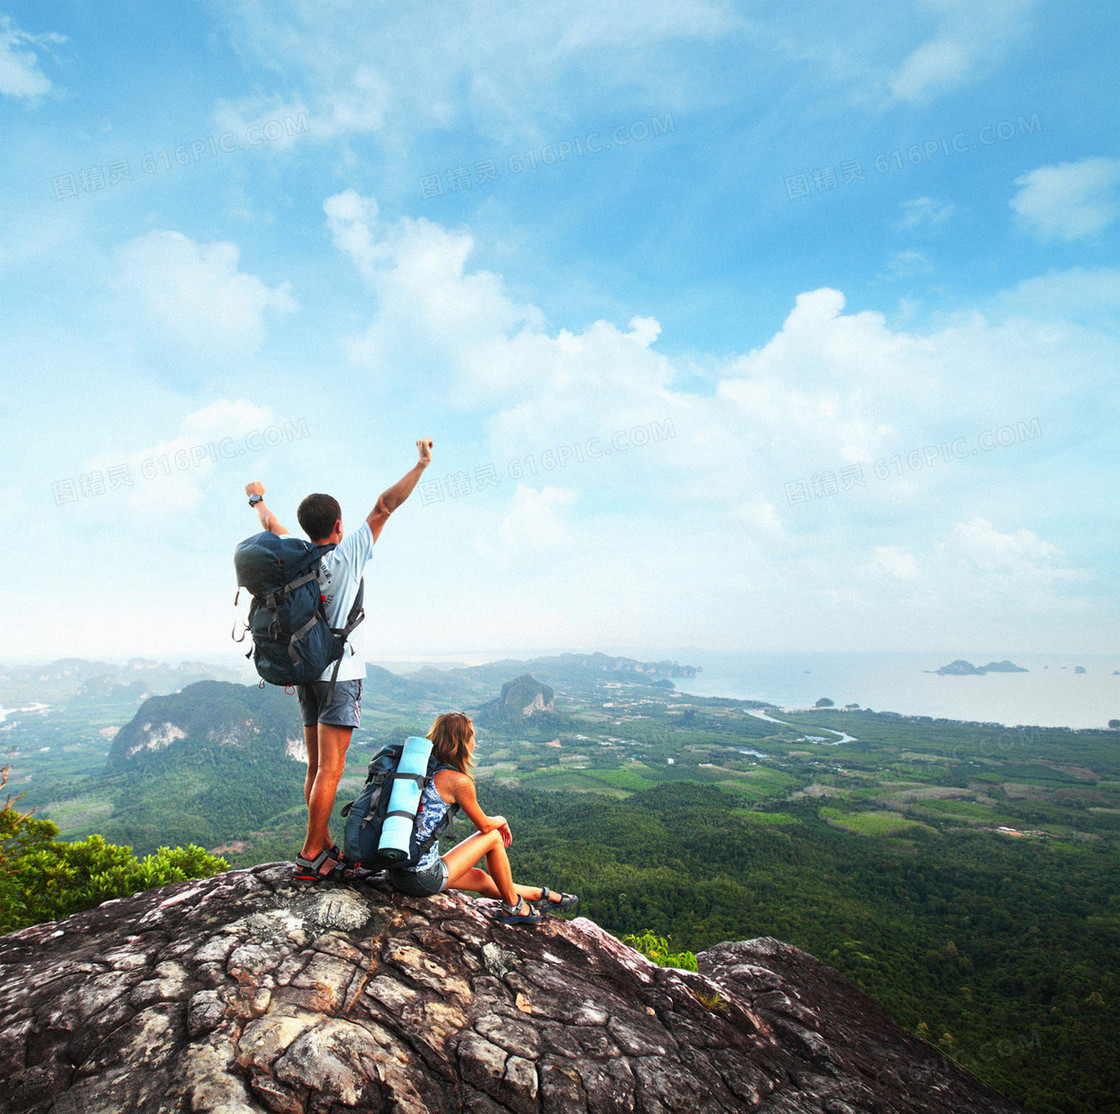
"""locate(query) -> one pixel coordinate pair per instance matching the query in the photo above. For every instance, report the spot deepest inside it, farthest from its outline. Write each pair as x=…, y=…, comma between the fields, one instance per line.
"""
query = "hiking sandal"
x=355, y=872
x=345, y=868
x=562, y=904
x=323, y=868
x=521, y=913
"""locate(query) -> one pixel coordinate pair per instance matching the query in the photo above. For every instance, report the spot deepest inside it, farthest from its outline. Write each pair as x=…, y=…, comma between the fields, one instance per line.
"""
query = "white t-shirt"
x=341, y=572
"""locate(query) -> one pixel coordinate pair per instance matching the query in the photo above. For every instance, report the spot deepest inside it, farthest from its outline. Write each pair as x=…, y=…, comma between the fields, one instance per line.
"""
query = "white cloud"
x=906, y=264
x=971, y=574
x=981, y=546
x=535, y=522
x=171, y=476
x=813, y=383
x=924, y=212
x=979, y=563
x=1070, y=201
x=197, y=295
x=495, y=64
x=895, y=562
x=20, y=75
x=352, y=219
x=830, y=389
x=970, y=41
x=831, y=394
x=429, y=307
x=267, y=123
x=760, y=515
x=938, y=64
x=1074, y=295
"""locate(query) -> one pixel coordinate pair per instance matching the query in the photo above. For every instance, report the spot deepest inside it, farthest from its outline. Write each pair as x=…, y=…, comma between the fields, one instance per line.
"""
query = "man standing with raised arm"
x=329, y=723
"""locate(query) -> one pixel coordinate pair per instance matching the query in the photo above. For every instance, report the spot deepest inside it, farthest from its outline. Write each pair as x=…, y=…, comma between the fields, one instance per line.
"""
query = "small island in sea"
x=961, y=668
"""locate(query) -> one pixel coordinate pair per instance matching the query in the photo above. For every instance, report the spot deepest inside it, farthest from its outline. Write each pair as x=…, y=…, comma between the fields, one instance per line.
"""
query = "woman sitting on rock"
x=452, y=738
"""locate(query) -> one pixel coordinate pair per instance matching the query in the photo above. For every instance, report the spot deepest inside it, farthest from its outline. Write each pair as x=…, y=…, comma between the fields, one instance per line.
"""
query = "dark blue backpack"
x=292, y=640
x=366, y=815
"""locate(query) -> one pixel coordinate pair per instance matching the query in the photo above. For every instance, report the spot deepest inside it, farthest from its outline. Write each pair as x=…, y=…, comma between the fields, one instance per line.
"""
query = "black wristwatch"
x=254, y=499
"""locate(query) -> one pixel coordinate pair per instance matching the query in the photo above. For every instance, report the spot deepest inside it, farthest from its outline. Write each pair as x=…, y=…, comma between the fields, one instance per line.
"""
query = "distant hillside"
x=208, y=718
x=84, y=683
x=381, y=682
x=105, y=689
x=960, y=668
x=521, y=700
x=427, y=684
x=206, y=765
x=603, y=663
x=584, y=670
x=528, y=696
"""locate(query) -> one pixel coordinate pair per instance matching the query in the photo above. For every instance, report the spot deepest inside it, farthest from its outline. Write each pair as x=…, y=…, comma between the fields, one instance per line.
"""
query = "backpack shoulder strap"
x=357, y=613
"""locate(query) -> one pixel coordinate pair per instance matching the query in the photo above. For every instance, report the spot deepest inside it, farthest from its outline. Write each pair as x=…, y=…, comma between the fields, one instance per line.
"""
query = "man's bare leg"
x=311, y=744
x=322, y=786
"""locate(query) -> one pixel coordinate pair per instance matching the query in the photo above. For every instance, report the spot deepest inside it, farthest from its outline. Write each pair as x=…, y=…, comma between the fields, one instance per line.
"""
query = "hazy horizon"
x=1050, y=694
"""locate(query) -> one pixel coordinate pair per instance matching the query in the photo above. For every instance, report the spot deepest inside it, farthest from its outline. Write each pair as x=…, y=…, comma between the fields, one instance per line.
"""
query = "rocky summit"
x=244, y=992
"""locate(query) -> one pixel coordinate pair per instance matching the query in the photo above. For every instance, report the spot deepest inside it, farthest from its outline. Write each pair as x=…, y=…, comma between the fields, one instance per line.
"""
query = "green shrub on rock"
x=44, y=880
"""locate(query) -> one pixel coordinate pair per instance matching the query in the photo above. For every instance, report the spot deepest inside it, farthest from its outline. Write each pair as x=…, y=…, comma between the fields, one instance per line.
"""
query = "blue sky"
x=759, y=326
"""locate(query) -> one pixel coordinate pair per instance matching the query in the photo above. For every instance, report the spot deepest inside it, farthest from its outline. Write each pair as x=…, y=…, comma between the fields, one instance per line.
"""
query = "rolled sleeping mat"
x=404, y=800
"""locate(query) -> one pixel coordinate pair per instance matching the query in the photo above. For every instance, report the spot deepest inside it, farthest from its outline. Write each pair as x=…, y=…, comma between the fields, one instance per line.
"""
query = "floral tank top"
x=433, y=808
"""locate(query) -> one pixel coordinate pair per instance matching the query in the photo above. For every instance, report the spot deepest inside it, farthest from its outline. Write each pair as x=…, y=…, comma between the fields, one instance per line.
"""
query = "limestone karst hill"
x=244, y=993
x=521, y=699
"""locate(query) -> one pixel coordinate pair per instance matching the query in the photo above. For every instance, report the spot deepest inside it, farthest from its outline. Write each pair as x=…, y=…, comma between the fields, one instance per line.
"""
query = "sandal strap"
x=524, y=912
x=319, y=863
x=561, y=898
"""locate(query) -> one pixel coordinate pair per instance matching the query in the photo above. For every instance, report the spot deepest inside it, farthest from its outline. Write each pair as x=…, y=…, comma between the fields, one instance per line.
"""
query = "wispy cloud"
x=665, y=393
x=1070, y=201
x=971, y=40
x=906, y=264
x=924, y=212
x=197, y=294
x=20, y=73
x=492, y=66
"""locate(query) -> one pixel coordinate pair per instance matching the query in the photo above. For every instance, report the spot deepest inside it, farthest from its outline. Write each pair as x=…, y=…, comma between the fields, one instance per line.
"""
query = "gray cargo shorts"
x=345, y=710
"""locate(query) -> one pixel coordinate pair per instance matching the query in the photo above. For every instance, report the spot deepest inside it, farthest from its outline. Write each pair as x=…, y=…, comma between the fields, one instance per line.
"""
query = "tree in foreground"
x=42, y=879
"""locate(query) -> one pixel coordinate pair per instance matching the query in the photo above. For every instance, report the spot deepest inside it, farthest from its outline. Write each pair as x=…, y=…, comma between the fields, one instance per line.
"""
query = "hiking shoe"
x=521, y=913
x=555, y=902
x=323, y=868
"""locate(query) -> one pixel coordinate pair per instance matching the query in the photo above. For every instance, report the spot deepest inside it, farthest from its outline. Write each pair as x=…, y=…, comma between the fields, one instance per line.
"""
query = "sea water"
x=36, y=707
x=1052, y=694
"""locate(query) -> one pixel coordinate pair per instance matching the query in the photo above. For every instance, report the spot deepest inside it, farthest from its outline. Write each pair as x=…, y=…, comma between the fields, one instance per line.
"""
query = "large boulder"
x=244, y=992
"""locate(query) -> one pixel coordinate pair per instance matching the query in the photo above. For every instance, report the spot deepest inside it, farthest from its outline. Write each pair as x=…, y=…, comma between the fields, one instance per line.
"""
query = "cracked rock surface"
x=244, y=992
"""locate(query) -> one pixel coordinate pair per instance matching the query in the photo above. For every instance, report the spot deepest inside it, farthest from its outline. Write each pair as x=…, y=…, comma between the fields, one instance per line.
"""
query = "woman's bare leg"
x=498, y=883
